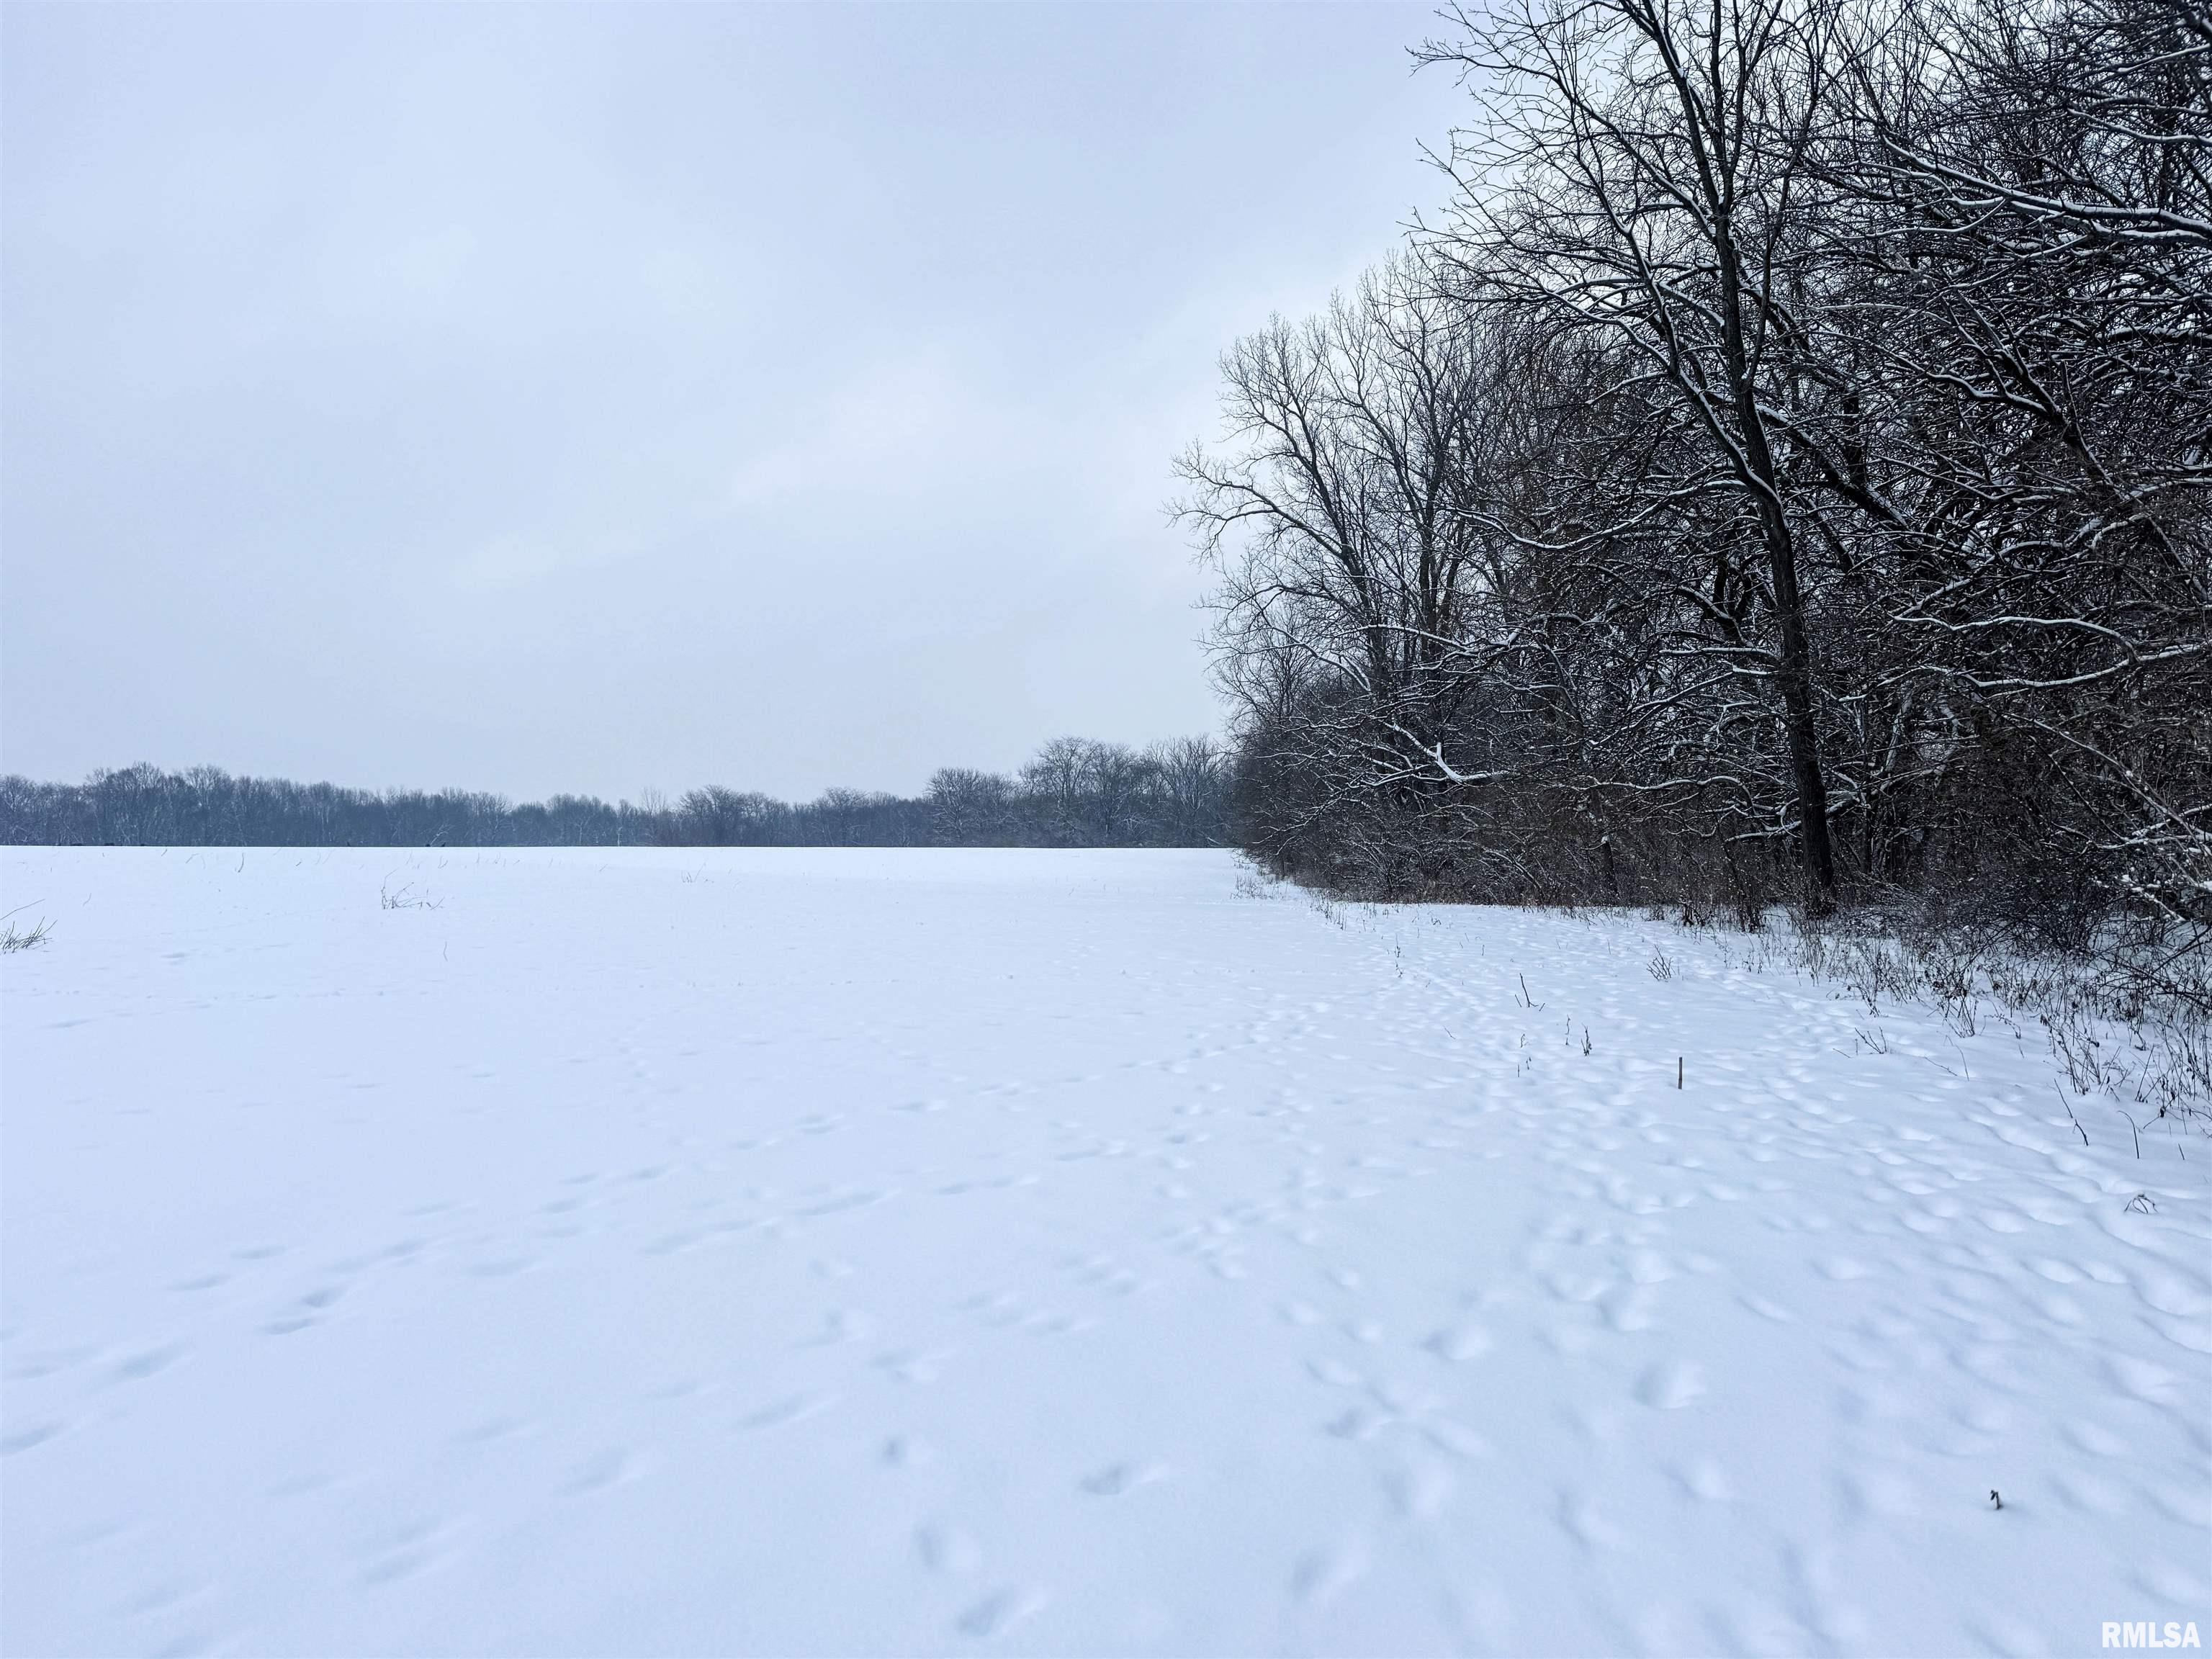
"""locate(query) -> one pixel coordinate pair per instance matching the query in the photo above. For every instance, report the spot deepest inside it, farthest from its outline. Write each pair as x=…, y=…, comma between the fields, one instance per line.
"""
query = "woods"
x=1777, y=474
x=1076, y=792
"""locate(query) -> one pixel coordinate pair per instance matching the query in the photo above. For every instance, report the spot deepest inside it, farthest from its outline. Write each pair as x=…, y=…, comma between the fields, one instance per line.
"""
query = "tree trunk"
x=1797, y=676
x=1796, y=665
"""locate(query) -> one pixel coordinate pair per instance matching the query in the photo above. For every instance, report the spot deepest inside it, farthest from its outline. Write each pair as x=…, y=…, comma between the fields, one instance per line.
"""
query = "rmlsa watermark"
x=2149, y=1634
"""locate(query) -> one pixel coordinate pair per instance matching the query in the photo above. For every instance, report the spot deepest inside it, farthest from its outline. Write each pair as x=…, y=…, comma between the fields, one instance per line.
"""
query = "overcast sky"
x=597, y=398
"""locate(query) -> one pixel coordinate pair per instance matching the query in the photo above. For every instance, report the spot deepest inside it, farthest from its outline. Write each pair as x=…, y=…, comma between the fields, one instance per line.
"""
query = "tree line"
x=1075, y=793
x=1778, y=471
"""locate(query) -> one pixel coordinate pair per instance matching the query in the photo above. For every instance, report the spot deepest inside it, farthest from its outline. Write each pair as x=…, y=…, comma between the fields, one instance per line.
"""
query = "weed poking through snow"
x=15, y=938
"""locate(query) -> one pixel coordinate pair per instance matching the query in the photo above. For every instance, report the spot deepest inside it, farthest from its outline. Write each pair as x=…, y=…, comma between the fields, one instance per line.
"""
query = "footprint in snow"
x=404, y=1553
x=907, y=1366
x=839, y=1326
x=1704, y=1481
x=903, y=1451
x=1460, y=1343
x=1582, y=1522
x=944, y=1547
x=1320, y=1576
x=23, y=1439
x=2097, y=1442
x=1118, y=1478
x=1359, y=1424
x=999, y=1612
x=796, y=1409
x=2152, y=1384
x=1629, y=1309
x=140, y=1366
x=610, y=1468
x=1421, y=1493
x=2169, y=1293
x=491, y=1428
x=1671, y=1387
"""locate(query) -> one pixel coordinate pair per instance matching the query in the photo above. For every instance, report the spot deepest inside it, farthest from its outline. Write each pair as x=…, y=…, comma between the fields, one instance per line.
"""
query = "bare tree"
x=1790, y=453
x=1645, y=173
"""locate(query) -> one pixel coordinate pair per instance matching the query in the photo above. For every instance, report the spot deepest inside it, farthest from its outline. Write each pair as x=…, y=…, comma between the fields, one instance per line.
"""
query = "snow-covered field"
x=857, y=1252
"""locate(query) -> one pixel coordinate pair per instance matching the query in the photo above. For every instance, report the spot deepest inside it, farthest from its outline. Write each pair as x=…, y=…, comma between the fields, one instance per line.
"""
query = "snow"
x=830, y=1252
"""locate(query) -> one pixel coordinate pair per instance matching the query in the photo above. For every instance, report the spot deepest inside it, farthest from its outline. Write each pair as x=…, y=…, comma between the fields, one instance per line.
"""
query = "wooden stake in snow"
x=1678, y=1071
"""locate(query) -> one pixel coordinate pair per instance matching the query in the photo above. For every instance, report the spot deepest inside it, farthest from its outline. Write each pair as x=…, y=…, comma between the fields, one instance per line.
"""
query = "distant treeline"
x=1074, y=793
